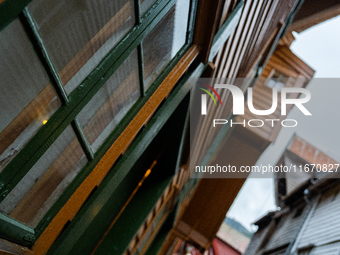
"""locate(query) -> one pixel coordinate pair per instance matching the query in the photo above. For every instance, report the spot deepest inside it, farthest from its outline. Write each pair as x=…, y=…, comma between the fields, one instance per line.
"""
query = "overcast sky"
x=319, y=47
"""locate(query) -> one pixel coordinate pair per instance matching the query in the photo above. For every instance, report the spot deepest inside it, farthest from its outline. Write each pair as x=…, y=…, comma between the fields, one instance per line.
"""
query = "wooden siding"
x=313, y=12
x=329, y=249
x=256, y=241
x=299, y=74
x=227, y=65
x=287, y=229
x=324, y=225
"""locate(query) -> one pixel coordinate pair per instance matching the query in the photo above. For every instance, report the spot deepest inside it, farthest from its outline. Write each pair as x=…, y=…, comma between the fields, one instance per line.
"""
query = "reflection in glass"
x=27, y=100
x=40, y=188
x=79, y=33
x=277, y=80
x=107, y=108
x=165, y=40
x=145, y=5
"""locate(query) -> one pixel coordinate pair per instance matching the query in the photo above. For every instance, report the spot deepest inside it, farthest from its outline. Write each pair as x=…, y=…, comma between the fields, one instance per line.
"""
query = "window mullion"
x=82, y=139
x=32, y=32
x=141, y=68
x=137, y=12
x=16, y=231
x=192, y=19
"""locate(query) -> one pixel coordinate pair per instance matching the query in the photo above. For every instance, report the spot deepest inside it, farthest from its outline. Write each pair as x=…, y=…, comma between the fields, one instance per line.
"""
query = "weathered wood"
x=225, y=12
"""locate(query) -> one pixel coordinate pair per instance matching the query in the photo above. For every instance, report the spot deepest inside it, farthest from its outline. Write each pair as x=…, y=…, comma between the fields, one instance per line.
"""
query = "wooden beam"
x=302, y=23
x=206, y=24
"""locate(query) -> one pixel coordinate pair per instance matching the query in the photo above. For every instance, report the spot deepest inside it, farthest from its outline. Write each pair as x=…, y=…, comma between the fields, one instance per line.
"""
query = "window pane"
x=27, y=100
x=106, y=109
x=79, y=33
x=34, y=195
x=277, y=80
x=145, y=5
x=165, y=40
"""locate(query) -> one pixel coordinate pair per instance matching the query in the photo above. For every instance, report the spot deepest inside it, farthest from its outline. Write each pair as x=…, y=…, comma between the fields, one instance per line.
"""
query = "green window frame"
x=71, y=105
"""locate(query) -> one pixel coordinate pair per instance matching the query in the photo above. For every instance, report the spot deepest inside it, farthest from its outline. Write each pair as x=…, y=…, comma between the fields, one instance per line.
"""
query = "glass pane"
x=145, y=5
x=79, y=33
x=277, y=80
x=106, y=109
x=27, y=100
x=35, y=194
x=165, y=40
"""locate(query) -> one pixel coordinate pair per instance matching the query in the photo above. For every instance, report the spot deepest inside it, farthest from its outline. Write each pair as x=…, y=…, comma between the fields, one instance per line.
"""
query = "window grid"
x=35, y=38
x=77, y=100
x=82, y=140
x=72, y=104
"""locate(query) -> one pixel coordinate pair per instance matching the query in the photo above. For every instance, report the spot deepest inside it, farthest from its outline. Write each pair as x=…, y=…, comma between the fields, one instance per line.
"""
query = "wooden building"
x=94, y=118
x=307, y=221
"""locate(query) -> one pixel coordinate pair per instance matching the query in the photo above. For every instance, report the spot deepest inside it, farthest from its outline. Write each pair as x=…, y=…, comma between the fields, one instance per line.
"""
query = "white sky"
x=319, y=47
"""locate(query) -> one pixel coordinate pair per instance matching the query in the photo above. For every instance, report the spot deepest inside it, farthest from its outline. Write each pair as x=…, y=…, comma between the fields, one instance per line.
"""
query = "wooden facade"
x=243, y=145
x=94, y=137
x=306, y=222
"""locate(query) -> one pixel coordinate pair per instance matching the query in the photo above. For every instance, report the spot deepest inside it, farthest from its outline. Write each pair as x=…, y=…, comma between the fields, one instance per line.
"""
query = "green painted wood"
x=136, y=212
x=13, y=173
x=123, y=231
x=137, y=11
x=15, y=231
x=44, y=138
x=226, y=30
x=82, y=139
x=141, y=69
x=98, y=155
x=87, y=228
x=192, y=19
x=9, y=11
x=39, y=47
